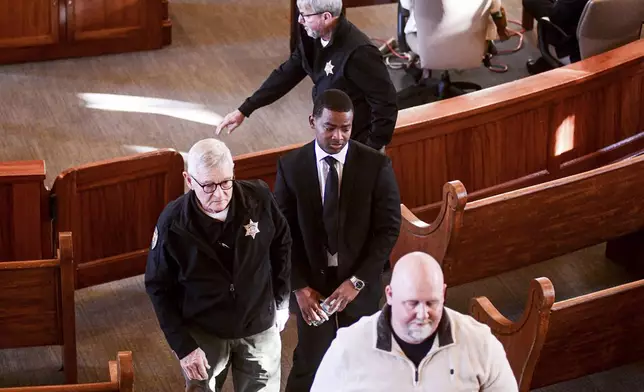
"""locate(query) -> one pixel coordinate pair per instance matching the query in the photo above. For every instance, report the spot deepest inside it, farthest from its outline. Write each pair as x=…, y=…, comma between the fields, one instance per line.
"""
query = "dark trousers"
x=313, y=341
x=538, y=8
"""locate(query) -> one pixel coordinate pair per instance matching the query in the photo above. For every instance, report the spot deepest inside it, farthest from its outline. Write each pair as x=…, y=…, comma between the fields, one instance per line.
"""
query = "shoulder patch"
x=155, y=237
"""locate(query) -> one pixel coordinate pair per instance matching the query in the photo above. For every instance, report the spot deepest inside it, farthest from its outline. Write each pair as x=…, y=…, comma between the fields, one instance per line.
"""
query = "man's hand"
x=230, y=122
x=309, y=302
x=281, y=317
x=342, y=296
x=195, y=365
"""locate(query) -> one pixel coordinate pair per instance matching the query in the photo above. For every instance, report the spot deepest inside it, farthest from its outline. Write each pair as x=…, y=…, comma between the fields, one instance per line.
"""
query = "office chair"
x=451, y=35
x=604, y=25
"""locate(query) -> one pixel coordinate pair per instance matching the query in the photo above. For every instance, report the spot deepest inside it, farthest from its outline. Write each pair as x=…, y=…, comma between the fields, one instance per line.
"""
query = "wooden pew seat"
x=554, y=342
x=37, y=305
x=121, y=380
x=474, y=240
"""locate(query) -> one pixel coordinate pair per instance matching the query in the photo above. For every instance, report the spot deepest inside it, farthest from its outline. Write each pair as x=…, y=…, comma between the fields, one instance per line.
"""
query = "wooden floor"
x=70, y=112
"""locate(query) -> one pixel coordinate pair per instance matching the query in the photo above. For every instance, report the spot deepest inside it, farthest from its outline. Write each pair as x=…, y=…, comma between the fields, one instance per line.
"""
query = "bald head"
x=416, y=295
x=415, y=271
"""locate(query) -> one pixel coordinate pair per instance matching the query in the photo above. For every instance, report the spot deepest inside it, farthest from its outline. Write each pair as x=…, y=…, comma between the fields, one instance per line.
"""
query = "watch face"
x=359, y=284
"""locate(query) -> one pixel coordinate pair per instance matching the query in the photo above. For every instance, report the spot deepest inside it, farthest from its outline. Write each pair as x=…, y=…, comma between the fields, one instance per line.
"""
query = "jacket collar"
x=242, y=202
x=384, y=333
x=339, y=30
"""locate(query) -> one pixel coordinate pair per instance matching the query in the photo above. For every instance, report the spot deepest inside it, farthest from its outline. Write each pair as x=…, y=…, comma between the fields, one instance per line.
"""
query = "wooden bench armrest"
x=433, y=238
x=125, y=371
x=524, y=339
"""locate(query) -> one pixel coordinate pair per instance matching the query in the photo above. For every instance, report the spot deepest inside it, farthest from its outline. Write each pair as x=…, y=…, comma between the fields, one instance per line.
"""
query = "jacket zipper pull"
x=232, y=290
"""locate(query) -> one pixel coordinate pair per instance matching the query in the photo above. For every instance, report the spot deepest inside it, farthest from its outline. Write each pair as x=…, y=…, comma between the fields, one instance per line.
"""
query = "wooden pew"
x=37, y=304
x=554, y=342
x=111, y=207
x=121, y=380
x=518, y=134
x=526, y=132
x=25, y=227
x=474, y=240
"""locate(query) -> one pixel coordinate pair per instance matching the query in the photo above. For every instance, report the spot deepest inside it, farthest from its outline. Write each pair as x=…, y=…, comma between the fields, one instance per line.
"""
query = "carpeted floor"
x=75, y=111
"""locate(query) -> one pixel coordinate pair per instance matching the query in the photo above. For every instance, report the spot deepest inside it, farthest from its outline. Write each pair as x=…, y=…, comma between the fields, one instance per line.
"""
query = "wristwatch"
x=357, y=283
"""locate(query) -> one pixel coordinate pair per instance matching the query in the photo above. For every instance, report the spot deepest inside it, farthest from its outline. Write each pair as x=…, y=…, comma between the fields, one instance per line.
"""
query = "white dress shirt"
x=323, y=172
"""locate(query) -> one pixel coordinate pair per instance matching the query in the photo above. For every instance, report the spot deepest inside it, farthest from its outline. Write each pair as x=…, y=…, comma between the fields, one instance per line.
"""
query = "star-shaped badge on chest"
x=252, y=228
x=328, y=68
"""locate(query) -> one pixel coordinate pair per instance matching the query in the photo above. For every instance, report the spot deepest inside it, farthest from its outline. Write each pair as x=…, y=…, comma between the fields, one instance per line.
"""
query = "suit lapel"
x=349, y=174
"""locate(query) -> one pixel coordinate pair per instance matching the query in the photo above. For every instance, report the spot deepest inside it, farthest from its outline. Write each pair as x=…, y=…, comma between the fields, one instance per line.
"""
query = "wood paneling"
x=514, y=131
x=24, y=210
x=32, y=30
x=37, y=304
x=518, y=228
x=28, y=23
x=109, y=19
x=28, y=310
x=112, y=207
x=554, y=342
x=6, y=223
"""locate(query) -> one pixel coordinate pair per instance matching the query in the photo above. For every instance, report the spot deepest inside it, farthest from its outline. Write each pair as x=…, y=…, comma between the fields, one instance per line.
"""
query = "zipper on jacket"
x=416, y=377
x=232, y=290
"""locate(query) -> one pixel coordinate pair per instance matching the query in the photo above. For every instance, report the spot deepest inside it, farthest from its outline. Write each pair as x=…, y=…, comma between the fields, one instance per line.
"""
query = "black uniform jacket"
x=189, y=285
x=351, y=63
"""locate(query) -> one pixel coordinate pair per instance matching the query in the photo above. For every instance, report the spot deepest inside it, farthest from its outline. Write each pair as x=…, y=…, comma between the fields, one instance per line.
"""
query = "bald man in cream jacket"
x=415, y=343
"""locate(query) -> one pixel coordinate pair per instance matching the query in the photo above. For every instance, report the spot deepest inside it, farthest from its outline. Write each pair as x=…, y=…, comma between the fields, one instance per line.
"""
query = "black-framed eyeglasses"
x=211, y=187
x=304, y=16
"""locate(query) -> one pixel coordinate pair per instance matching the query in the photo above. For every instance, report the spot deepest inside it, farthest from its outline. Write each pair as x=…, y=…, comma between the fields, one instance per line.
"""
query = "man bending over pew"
x=415, y=342
x=218, y=275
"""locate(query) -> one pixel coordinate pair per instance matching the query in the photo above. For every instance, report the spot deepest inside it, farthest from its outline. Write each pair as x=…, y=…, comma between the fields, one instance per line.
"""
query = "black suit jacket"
x=369, y=218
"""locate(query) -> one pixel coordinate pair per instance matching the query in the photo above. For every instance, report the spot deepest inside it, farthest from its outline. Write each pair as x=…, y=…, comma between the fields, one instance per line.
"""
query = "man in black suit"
x=342, y=204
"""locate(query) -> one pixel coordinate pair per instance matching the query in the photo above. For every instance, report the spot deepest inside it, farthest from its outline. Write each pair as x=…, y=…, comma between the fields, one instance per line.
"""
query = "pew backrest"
x=111, y=207
x=521, y=133
x=526, y=226
x=554, y=342
x=37, y=304
x=518, y=228
x=25, y=226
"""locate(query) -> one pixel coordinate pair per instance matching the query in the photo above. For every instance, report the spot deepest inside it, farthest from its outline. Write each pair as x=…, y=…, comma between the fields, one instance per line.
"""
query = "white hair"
x=332, y=6
x=208, y=154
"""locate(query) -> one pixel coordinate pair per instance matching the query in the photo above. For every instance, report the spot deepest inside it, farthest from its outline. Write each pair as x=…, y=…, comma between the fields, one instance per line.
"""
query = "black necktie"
x=330, y=210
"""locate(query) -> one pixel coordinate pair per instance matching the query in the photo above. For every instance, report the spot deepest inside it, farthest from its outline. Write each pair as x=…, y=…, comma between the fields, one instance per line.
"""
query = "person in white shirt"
x=496, y=29
x=415, y=343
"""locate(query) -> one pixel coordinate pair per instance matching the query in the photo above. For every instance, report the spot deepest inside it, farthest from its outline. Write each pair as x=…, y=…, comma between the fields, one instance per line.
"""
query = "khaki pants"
x=255, y=362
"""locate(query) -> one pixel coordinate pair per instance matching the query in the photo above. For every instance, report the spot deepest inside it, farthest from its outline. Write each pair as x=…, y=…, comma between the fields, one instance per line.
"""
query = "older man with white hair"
x=218, y=275
x=415, y=343
x=335, y=54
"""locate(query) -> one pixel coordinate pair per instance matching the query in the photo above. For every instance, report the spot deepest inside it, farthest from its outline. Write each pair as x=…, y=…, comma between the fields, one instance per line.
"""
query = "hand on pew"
x=196, y=365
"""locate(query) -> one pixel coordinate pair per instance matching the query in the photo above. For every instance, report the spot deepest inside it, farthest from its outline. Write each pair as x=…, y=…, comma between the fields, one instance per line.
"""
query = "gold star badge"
x=252, y=228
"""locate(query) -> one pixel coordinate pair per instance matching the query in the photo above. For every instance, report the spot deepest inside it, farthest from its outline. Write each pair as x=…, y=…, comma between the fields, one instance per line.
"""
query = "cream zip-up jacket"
x=465, y=357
